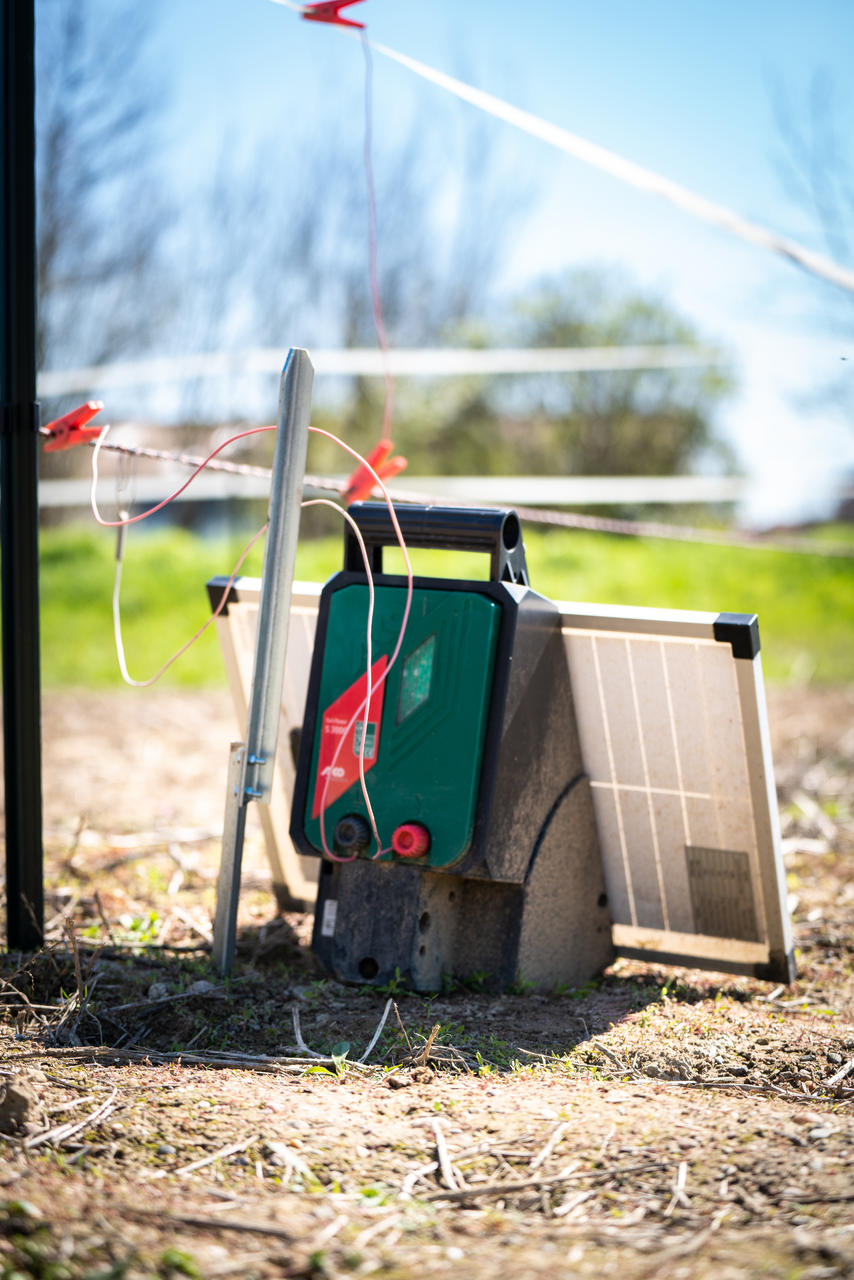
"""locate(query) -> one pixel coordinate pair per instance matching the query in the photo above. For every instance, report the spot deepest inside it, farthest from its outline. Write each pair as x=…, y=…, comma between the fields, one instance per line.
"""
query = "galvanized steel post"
x=278, y=574
x=251, y=765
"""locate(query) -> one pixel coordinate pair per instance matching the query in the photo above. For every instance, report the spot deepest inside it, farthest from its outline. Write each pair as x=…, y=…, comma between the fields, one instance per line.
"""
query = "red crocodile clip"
x=361, y=483
x=330, y=11
x=71, y=428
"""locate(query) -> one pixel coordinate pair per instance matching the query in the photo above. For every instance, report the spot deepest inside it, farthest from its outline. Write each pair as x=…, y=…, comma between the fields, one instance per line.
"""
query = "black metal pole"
x=19, y=591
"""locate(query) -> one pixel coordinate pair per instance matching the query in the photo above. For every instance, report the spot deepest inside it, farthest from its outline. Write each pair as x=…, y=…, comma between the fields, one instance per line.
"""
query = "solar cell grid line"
x=683, y=917
x=734, y=806
x=650, y=806
x=683, y=798
x=688, y=668
x=609, y=747
x=670, y=804
x=598, y=764
x=715, y=743
x=684, y=675
x=693, y=748
x=608, y=785
x=707, y=744
x=626, y=736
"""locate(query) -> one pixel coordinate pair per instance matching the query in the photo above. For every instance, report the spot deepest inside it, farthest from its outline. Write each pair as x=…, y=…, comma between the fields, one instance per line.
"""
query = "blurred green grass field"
x=805, y=603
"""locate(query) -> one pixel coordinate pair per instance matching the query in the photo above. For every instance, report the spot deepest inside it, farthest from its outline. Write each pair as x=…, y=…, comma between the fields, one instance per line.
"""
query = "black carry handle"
x=447, y=528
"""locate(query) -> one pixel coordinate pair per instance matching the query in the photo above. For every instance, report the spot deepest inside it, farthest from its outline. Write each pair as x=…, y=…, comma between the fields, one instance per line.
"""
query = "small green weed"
x=176, y=1262
x=521, y=987
x=395, y=986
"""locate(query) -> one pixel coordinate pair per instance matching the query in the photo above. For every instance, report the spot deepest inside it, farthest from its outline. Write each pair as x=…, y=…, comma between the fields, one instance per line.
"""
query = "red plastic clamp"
x=71, y=428
x=361, y=483
x=330, y=11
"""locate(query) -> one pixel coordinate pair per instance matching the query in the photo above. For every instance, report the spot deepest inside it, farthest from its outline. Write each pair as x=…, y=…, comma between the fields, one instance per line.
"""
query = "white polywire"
x=625, y=170
x=117, y=617
x=634, y=174
x=122, y=523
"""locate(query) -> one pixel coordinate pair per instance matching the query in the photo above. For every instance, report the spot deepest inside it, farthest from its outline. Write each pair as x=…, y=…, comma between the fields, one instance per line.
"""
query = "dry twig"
x=378, y=1031
x=444, y=1158
x=62, y=1132
x=213, y=1224
x=544, y=1153
x=231, y=1150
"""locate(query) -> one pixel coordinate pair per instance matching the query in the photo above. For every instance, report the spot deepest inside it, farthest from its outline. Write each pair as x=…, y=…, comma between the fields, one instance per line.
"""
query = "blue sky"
x=684, y=89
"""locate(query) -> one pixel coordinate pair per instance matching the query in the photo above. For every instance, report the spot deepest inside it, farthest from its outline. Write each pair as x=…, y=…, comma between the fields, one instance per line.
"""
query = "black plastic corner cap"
x=215, y=587
x=741, y=631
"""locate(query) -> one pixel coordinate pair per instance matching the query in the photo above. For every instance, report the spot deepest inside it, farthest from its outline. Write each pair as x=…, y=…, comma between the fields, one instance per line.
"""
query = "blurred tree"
x=274, y=250
x=813, y=159
x=632, y=422
x=102, y=205
x=815, y=162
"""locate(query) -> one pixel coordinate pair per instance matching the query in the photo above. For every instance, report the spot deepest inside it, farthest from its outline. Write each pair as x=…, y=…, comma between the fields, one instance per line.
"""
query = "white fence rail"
x=530, y=491
x=420, y=362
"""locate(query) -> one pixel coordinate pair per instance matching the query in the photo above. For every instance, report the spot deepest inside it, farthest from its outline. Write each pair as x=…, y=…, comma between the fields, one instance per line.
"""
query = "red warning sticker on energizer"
x=338, y=761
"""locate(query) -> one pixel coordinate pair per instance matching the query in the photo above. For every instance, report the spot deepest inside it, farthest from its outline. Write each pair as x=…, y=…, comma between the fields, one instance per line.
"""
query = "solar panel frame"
x=674, y=734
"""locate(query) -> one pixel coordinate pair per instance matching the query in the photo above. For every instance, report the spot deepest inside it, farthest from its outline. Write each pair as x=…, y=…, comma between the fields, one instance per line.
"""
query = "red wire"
x=143, y=515
x=376, y=297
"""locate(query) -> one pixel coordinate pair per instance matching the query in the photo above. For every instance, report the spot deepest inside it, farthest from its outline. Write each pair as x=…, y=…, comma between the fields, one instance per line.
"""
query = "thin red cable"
x=373, y=267
x=143, y=515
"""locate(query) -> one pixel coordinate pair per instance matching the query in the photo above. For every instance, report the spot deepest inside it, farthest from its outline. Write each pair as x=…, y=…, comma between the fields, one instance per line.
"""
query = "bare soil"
x=157, y=1122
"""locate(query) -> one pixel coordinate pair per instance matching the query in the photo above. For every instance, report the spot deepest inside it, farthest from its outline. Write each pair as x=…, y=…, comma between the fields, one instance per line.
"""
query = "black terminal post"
x=19, y=589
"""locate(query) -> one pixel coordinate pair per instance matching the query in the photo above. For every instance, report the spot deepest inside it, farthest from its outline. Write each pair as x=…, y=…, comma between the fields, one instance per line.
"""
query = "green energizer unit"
x=472, y=765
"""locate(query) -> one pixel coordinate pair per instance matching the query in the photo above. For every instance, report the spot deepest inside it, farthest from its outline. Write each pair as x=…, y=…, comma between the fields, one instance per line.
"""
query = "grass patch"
x=805, y=603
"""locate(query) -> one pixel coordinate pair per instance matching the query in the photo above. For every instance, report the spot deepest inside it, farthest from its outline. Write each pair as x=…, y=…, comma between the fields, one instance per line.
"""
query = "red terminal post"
x=410, y=840
x=71, y=429
x=361, y=483
x=330, y=11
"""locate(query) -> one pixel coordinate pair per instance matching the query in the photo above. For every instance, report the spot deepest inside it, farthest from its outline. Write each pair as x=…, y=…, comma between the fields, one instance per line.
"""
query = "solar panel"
x=670, y=707
x=671, y=715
